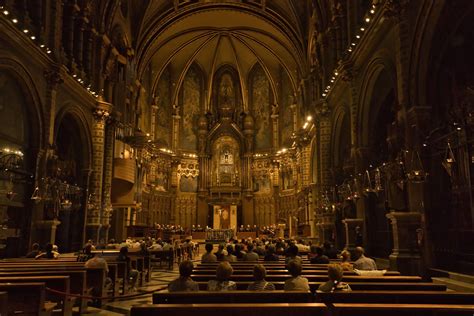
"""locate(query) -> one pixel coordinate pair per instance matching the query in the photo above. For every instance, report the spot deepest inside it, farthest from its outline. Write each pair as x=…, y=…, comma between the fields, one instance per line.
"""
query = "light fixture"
x=324, y=94
x=25, y=31
x=74, y=75
x=309, y=118
x=15, y=21
x=362, y=29
x=42, y=45
x=48, y=52
x=353, y=44
x=5, y=12
x=357, y=36
x=336, y=73
x=33, y=37
x=372, y=11
x=367, y=20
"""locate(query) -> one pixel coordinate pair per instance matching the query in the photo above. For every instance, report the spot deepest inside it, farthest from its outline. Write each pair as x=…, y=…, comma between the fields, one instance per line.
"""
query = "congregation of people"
x=249, y=250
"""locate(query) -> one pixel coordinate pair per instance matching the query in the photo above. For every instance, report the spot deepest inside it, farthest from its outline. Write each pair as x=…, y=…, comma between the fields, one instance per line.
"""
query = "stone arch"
x=21, y=210
x=378, y=80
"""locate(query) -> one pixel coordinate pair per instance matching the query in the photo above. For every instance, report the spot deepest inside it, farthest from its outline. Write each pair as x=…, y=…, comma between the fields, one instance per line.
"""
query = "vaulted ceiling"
x=177, y=34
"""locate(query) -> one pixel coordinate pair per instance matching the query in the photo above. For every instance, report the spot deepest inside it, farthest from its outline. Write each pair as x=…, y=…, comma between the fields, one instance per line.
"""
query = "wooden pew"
x=198, y=271
x=232, y=297
x=3, y=303
x=162, y=256
x=356, y=286
x=396, y=297
x=352, y=309
x=32, y=265
x=274, y=309
x=55, y=282
x=77, y=281
x=27, y=299
x=313, y=278
x=302, y=309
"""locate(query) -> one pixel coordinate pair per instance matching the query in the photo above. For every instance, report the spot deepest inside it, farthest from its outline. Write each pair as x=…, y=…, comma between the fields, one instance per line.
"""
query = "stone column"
x=101, y=113
x=107, y=187
x=405, y=256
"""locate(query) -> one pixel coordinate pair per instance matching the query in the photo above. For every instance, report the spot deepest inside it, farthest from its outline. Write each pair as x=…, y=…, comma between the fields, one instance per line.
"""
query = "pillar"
x=107, y=187
x=350, y=225
x=101, y=114
x=405, y=256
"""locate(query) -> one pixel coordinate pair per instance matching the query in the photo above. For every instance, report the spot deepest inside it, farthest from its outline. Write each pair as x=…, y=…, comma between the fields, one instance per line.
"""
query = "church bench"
x=55, y=282
x=312, y=278
x=77, y=281
x=249, y=270
x=162, y=256
x=274, y=309
x=359, y=286
x=3, y=303
x=26, y=299
x=114, y=268
x=302, y=309
x=396, y=297
x=359, y=309
x=232, y=297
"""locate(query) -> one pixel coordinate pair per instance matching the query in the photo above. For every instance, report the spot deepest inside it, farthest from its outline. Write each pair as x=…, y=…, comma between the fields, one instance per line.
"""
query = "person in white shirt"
x=362, y=262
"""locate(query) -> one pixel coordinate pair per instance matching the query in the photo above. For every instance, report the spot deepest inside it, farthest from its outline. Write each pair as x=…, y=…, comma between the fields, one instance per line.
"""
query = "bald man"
x=362, y=262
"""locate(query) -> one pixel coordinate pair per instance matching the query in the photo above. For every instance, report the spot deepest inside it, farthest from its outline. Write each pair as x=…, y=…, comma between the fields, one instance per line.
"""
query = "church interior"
x=347, y=123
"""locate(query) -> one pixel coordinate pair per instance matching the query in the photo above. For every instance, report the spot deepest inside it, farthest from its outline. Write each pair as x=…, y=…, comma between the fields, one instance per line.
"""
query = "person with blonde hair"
x=259, y=273
x=222, y=283
x=346, y=257
x=334, y=284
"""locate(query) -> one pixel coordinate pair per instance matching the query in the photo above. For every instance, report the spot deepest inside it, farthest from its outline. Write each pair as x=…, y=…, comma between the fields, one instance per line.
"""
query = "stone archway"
x=72, y=149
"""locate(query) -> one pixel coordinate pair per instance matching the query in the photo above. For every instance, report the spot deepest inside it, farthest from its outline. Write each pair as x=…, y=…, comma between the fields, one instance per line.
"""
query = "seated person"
x=230, y=257
x=250, y=255
x=49, y=253
x=362, y=262
x=329, y=250
x=97, y=262
x=222, y=283
x=346, y=257
x=86, y=254
x=209, y=256
x=132, y=274
x=184, y=283
x=296, y=282
x=292, y=254
x=220, y=253
x=271, y=255
x=334, y=284
x=259, y=273
x=320, y=258
x=35, y=250
x=238, y=252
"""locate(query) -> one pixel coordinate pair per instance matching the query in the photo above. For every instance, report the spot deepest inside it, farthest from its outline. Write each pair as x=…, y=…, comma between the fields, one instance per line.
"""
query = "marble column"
x=107, y=183
x=405, y=256
x=101, y=114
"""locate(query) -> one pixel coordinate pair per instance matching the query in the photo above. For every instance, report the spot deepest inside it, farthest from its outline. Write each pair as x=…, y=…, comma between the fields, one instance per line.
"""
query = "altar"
x=219, y=235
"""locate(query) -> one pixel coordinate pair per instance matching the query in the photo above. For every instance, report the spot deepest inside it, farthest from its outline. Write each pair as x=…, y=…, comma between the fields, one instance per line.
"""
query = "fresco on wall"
x=163, y=113
x=286, y=114
x=188, y=184
x=260, y=94
x=191, y=105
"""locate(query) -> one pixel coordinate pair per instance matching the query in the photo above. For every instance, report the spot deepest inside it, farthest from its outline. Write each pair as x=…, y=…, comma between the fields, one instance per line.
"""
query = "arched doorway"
x=19, y=141
x=72, y=153
x=381, y=121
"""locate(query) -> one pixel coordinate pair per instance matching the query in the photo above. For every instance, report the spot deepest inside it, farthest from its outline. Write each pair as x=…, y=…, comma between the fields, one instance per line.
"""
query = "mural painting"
x=260, y=94
x=191, y=105
x=163, y=113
